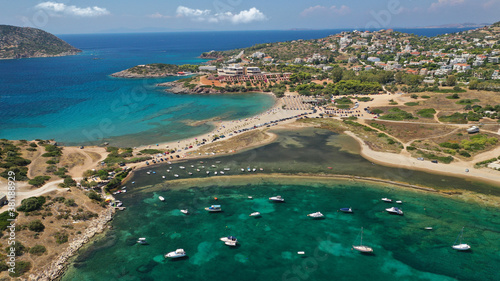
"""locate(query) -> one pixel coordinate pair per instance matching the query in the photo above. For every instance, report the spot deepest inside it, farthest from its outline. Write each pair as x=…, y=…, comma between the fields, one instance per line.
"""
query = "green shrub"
x=39, y=180
x=397, y=115
x=427, y=112
x=412, y=103
x=31, y=204
x=36, y=226
x=425, y=97
x=19, y=248
x=38, y=250
x=377, y=111
x=21, y=268
x=3, y=219
x=61, y=237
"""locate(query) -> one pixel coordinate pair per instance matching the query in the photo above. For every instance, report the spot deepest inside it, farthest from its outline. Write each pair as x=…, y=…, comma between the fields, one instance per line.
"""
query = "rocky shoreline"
x=57, y=267
x=179, y=88
x=128, y=74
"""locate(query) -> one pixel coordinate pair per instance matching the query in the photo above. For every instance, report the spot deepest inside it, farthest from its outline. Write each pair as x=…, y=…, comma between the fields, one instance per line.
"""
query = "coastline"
x=55, y=269
x=453, y=169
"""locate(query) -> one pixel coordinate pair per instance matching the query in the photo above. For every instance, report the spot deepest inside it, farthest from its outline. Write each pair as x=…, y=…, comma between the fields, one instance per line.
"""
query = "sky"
x=101, y=16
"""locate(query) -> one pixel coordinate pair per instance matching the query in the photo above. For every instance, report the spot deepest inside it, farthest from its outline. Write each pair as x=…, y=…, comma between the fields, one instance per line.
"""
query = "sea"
x=75, y=101
x=268, y=246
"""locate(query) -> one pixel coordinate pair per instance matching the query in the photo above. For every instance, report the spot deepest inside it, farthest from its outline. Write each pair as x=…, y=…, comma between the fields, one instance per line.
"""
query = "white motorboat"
x=142, y=241
x=182, y=167
x=277, y=198
x=179, y=253
x=301, y=253
x=428, y=228
x=161, y=198
x=185, y=211
x=227, y=169
x=148, y=172
x=346, y=210
x=461, y=246
x=316, y=215
x=394, y=210
x=386, y=200
x=221, y=172
x=162, y=177
x=250, y=197
x=176, y=175
x=215, y=173
x=399, y=202
x=253, y=170
x=214, y=208
x=242, y=169
x=362, y=248
x=230, y=240
x=197, y=170
x=190, y=173
x=255, y=214
x=208, y=172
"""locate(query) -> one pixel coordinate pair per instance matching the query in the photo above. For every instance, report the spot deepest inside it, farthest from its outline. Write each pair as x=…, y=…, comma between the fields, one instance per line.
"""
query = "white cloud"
x=63, y=9
x=245, y=16
x=445, y=3
x=158, y=16
x=322, y=10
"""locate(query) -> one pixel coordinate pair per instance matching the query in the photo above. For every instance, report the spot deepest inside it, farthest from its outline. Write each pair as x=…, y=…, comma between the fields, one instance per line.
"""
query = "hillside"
x=26, y=42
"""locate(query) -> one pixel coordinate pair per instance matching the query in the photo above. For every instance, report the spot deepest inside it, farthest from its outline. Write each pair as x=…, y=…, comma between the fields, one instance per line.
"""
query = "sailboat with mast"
x=461, y=246
x=362, y=248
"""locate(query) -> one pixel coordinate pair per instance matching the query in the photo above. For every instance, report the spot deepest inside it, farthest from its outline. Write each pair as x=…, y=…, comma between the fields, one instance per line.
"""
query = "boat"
x=208, y=172
x=190, y=173
x=277, y=199
x=179, y=253
x=214, y=208
x=346, y=210
x=428, y=228
x=185, y=211
x=255, y=214
x=161, y=198
x=250, y=197
x=386, y=200
x=215, y=173
x=230, y=240
x=148, y=172
x=142, y=241
x=394, y=210
x=461, y=246
x=221, y=172
x=253, y=170
x=162, y=177
x=227, y=169
x=176, y=175
x=182, y=167
x=301, y=253
x=316, y=215
x=242, y=169
x=197, y=170
x=362, y=248
x=399, y=202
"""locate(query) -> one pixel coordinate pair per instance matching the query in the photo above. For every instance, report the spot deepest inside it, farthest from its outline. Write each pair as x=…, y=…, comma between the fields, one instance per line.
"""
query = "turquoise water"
x=74, y=100
x=268, y=245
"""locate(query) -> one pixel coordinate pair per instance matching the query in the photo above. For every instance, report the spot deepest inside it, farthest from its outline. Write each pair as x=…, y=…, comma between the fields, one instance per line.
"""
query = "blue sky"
x=91, y=16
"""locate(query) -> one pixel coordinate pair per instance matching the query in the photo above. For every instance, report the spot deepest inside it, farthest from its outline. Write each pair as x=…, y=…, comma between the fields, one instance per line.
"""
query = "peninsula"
x=26, y=42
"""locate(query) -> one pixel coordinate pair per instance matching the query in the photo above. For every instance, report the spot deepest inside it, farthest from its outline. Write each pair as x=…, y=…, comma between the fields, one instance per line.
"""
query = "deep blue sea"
x=74, y=100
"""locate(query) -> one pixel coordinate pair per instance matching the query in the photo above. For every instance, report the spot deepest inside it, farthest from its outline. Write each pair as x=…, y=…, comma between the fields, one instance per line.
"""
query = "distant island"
x=26, y=42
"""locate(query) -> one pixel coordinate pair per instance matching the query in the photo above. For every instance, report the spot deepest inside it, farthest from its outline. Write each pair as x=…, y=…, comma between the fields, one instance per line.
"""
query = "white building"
x=231, y=70
x=252, y=70
x=208, y=68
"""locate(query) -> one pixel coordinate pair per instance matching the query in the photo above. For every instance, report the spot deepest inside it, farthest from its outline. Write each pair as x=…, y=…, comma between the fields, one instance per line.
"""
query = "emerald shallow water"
x=268, y=245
